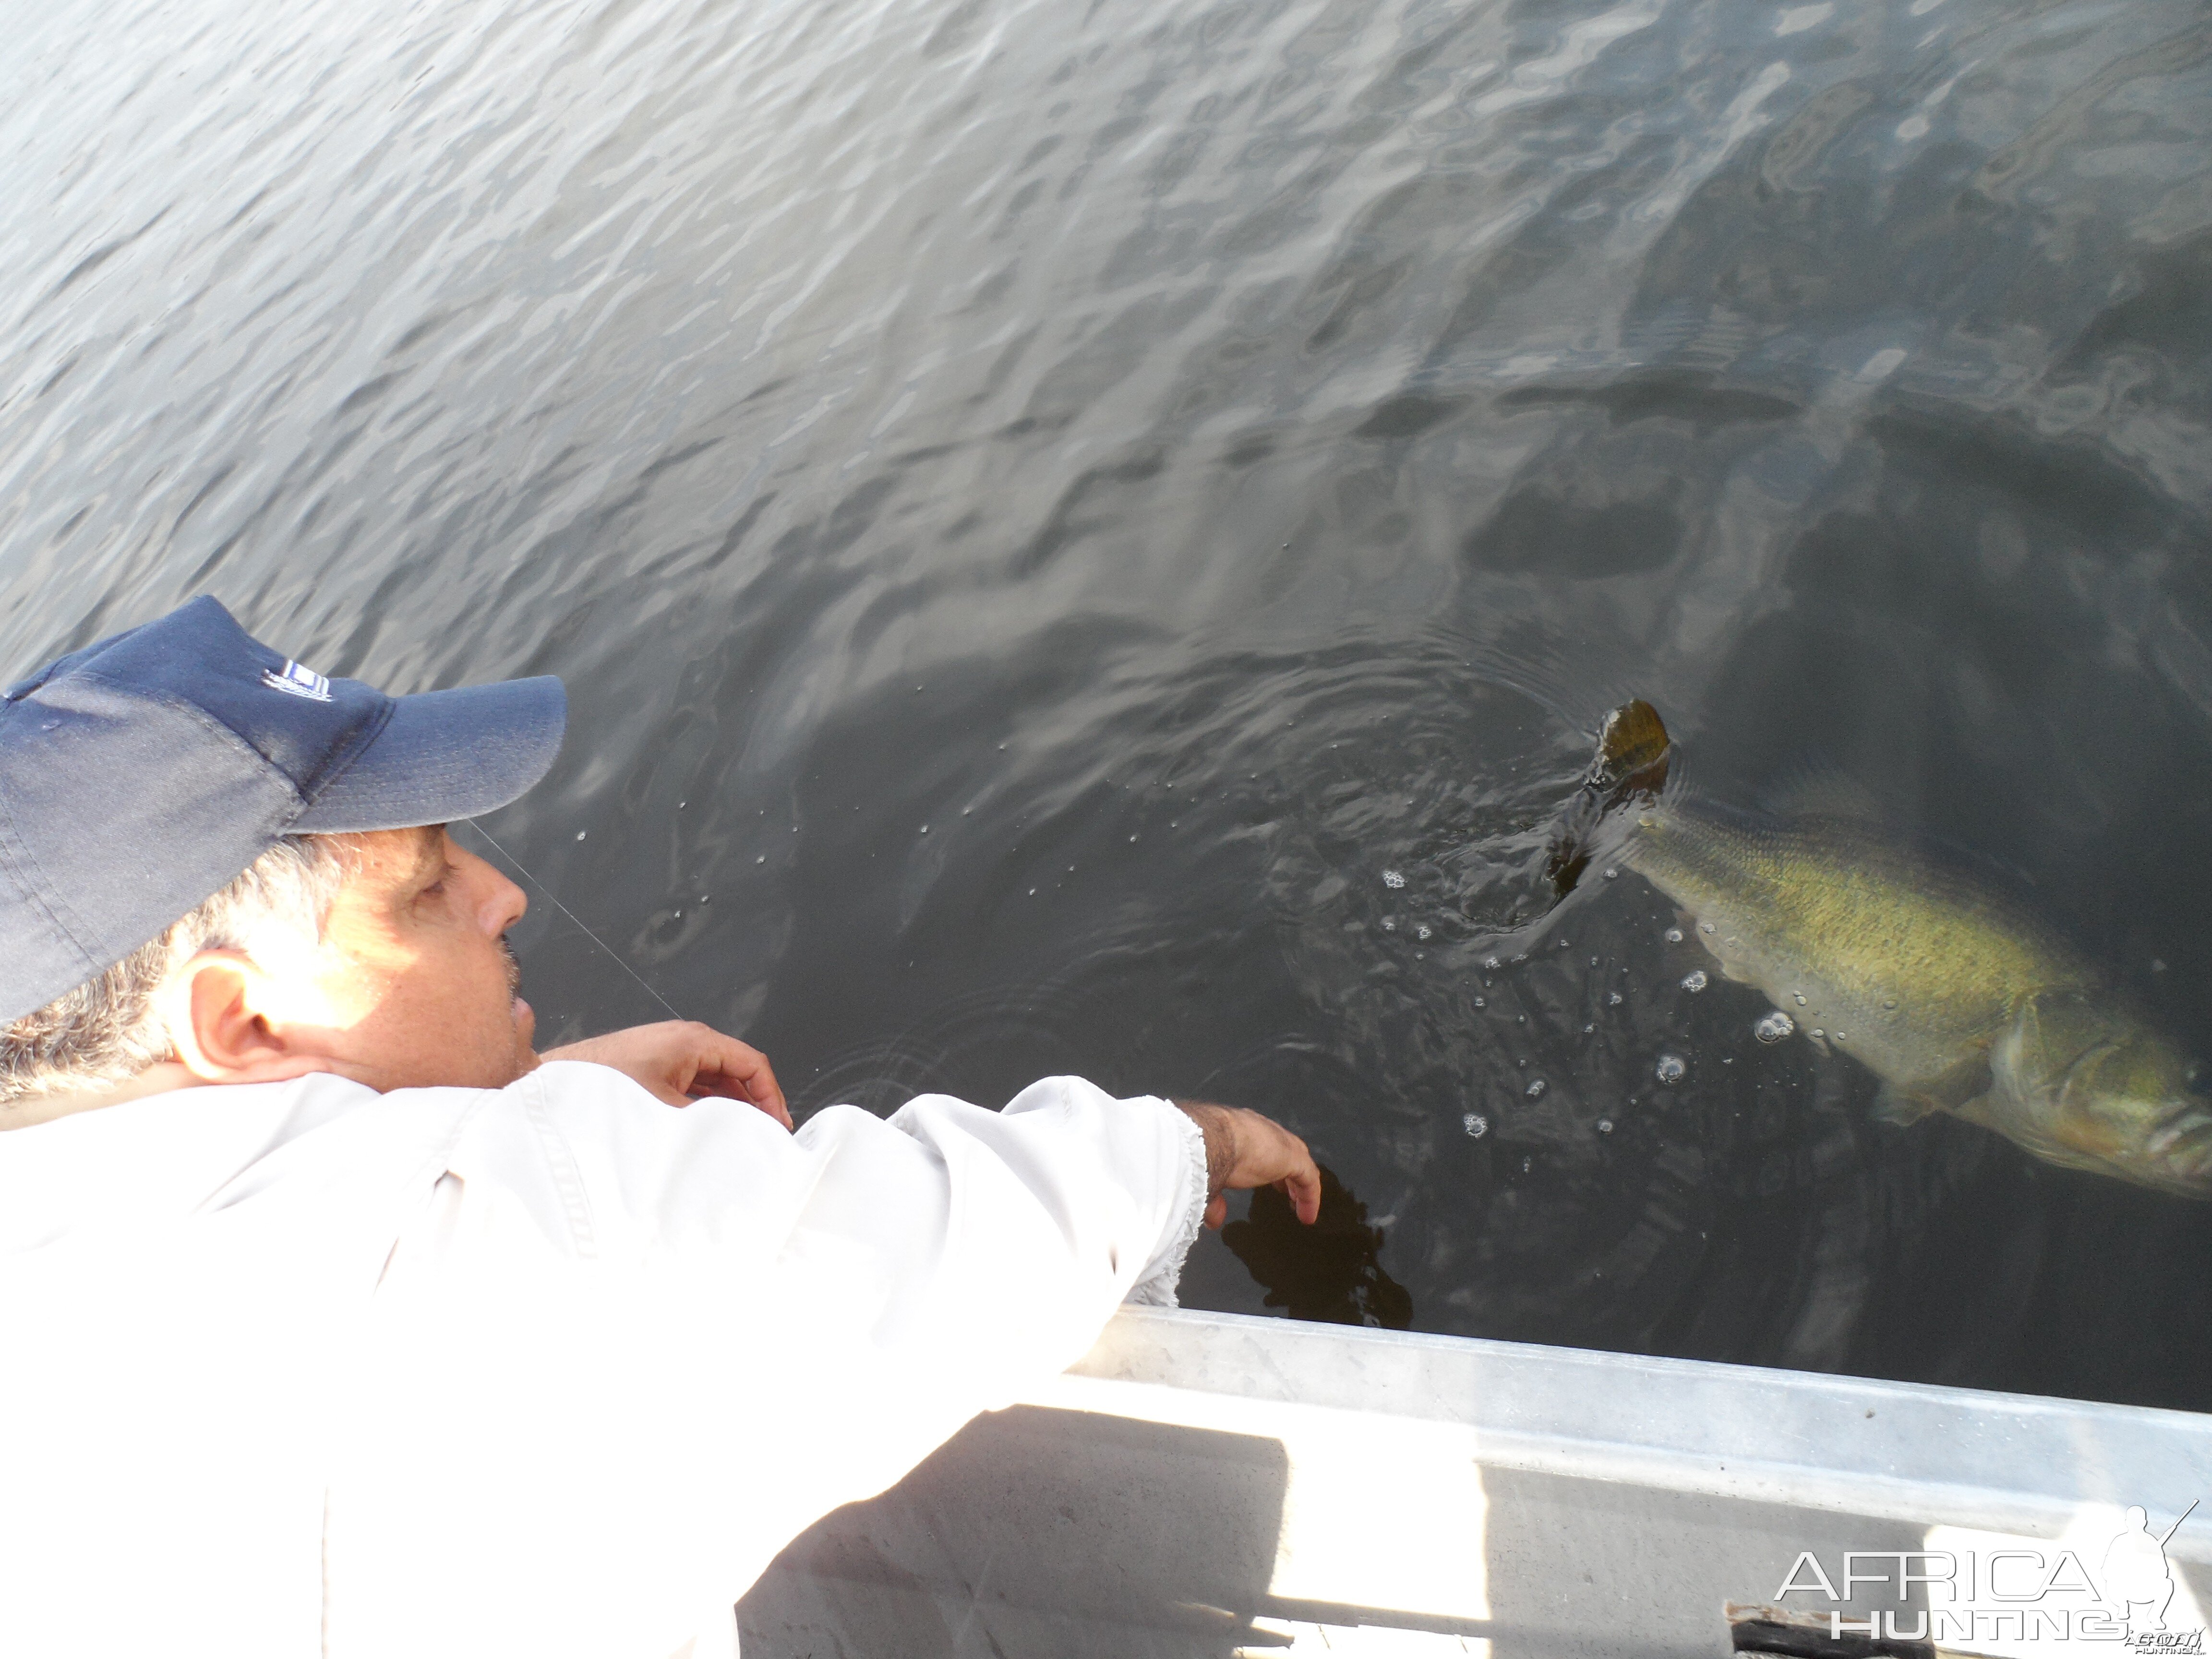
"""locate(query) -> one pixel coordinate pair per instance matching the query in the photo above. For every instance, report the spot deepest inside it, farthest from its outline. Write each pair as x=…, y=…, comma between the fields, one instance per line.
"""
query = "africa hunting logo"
x=2099, y=1588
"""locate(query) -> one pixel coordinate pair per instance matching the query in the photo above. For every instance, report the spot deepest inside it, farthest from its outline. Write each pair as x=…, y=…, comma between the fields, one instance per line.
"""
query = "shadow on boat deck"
x=1039, y=1532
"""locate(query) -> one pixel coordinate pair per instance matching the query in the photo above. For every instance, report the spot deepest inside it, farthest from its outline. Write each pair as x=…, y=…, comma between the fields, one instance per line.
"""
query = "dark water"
x=1040, y=509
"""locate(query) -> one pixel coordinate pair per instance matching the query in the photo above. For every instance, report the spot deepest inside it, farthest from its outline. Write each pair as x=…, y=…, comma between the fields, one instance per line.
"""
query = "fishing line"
x=554, y=899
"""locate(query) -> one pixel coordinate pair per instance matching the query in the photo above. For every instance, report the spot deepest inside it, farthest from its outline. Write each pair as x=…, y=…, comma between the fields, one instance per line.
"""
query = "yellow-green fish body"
x=1959, y=998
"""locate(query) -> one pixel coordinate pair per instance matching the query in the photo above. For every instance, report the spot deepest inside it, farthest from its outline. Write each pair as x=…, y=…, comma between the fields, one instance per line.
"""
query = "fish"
x=1951, y=990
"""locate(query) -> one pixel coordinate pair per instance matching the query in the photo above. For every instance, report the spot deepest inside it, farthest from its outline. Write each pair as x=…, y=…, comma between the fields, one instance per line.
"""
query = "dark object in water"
x=1330, y=1272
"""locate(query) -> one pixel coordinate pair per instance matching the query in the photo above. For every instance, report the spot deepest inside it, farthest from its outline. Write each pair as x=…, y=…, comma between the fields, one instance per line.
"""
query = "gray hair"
x=107, y=1030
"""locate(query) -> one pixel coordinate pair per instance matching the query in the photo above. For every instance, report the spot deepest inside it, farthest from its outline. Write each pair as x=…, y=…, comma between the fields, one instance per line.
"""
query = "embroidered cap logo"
x=298, y=679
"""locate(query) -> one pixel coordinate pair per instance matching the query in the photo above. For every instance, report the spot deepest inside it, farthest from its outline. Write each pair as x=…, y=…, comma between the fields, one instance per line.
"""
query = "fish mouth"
x=2166, y=1147
x=2177, y=1156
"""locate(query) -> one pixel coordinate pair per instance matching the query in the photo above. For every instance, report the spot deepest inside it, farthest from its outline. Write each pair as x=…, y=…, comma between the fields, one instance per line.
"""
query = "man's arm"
x=681, y=1060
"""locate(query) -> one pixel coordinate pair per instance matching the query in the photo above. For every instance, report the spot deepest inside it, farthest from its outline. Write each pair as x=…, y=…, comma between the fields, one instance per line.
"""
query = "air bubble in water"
x=1798, y=997
x=1389, y=925
x=1421, y=931
x=580, y=835
x=1695, y=979
x=1612, y=874
x=1490, y=964
x=1476, y=1124
x=1612, y=999
x=1818, y=1032
x=1889, y=1002
x=1772, y=1026
x=1605, y=1126
x=1673, y=936
x=1535, y=1089
x=1392, y=878
x=1480, y=1003
x=1707, y=927
x=1671, y=1068
x=1840, y=1036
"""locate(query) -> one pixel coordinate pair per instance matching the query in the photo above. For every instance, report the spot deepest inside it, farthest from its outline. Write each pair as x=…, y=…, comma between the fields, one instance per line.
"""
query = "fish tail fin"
x=1633, y=751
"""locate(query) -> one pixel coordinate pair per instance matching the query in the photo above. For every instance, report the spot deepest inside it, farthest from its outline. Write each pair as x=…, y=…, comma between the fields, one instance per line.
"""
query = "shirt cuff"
x=1156, y=1286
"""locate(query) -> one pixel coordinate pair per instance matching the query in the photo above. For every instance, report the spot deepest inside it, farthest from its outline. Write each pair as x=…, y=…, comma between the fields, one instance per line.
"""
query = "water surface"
x=1093, y=540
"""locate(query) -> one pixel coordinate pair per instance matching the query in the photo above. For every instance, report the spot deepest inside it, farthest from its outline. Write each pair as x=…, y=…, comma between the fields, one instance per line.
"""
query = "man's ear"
x=218, y=1011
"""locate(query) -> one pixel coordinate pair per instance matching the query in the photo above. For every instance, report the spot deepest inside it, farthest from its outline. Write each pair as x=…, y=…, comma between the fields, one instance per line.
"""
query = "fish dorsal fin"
x=1819, y=788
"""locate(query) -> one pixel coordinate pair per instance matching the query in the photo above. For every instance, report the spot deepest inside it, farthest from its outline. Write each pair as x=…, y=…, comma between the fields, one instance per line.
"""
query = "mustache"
x=514, y=966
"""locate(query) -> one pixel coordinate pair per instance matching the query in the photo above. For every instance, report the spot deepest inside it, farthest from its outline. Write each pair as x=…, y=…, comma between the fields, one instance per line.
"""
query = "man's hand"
x=682, y=1061
x=1244, y=1149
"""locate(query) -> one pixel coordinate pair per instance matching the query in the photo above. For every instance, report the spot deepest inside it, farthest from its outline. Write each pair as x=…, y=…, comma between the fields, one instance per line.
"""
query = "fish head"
x=2083, y=1080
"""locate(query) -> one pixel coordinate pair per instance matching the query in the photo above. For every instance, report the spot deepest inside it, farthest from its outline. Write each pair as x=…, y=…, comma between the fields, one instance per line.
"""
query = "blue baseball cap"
x=142, y=774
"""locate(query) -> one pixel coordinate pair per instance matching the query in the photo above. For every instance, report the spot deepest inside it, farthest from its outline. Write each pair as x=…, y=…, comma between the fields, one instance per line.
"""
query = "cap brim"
x=445, y=756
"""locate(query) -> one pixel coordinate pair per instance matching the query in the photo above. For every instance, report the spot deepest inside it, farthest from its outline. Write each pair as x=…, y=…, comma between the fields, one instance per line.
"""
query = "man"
x=338, y=1322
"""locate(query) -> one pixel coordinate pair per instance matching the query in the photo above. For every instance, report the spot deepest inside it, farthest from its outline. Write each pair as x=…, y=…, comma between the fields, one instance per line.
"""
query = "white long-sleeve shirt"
x=298, y=1368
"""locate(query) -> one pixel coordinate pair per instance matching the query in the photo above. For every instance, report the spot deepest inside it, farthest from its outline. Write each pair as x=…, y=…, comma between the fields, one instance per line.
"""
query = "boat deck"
x=1212, y=1485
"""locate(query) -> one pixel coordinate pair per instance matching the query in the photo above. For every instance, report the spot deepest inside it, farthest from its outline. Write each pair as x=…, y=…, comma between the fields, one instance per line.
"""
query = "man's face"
x=416, y=983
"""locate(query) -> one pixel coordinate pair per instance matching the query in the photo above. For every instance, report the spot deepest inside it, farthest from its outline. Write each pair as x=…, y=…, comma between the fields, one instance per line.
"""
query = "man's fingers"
x=1285, y=1163
x=1302, y=1188
x=741, y=1072
x=681, y=1060
x=762, y=1090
